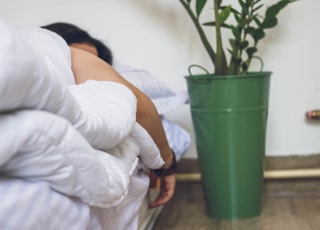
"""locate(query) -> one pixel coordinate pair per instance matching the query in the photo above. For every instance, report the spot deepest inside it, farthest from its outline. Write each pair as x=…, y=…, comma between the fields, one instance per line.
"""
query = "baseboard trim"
x=271, y=174
x=285, y=167
x=297, y=175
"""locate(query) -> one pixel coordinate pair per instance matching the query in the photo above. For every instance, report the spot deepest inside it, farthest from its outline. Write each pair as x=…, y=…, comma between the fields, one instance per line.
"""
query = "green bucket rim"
x=206, y=78
x=246, y=75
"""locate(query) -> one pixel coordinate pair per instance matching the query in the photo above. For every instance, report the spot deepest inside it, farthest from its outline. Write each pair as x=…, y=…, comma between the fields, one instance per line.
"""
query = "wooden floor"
x=281, y=210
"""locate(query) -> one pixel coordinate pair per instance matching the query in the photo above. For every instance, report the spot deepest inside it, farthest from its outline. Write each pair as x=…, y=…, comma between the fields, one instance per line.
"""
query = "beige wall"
x=158, y=36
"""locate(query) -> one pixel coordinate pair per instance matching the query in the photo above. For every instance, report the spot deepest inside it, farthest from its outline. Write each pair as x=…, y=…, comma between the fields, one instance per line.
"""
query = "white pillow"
x=144, y=81
x=163, y=97
x=179, y=139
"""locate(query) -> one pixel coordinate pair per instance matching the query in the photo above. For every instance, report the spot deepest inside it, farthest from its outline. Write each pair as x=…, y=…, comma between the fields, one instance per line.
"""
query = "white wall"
x=157, y=35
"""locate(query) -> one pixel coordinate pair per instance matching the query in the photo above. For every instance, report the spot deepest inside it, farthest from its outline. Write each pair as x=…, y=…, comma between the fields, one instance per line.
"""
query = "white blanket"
x=82, y=140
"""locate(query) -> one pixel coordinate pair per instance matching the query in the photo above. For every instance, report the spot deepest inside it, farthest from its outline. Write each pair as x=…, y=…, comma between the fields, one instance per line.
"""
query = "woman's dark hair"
x=73, y=34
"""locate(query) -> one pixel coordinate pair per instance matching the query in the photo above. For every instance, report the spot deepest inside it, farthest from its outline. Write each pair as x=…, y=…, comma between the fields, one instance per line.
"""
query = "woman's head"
x=76, y=37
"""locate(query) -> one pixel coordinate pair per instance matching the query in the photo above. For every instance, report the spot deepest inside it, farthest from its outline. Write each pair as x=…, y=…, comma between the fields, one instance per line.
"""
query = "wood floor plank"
x=187, y=211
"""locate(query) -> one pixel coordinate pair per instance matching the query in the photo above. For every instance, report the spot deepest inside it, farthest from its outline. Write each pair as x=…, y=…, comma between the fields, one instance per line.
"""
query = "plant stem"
x=248, y=19
x=221, y=62
x=198, y=26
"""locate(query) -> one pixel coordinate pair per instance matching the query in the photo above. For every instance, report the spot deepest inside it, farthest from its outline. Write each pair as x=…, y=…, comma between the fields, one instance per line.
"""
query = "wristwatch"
x=167, y=171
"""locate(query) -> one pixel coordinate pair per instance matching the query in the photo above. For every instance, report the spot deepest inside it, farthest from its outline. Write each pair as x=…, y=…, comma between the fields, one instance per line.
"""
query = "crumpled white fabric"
x=54, y=131
x=43, y=146
x=107, y=112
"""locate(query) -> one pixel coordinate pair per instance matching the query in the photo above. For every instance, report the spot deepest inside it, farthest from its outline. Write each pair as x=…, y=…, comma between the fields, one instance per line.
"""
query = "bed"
x=71, y=156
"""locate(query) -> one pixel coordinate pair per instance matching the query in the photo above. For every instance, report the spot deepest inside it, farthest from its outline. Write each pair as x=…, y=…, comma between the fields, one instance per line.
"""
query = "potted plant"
x=229, y=107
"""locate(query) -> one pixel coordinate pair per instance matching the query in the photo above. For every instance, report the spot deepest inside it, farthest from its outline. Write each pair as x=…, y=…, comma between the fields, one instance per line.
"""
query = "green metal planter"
x=229, y=115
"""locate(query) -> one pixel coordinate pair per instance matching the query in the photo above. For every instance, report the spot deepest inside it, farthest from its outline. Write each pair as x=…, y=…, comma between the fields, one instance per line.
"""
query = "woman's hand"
x=167, y=187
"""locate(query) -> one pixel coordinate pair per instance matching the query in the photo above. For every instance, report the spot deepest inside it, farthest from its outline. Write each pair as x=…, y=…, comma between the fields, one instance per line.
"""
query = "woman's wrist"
x=168, y=158
x=168, y=170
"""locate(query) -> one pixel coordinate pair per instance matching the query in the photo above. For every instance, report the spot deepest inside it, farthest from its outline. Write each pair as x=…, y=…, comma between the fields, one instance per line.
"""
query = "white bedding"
x=81, y=141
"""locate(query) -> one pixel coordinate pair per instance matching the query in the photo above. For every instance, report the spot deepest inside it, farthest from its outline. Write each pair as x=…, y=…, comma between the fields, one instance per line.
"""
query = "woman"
x=86, y=65
x=76, y=37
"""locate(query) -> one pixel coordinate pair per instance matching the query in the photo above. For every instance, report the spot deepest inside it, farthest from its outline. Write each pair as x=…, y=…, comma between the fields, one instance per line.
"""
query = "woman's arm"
x=89, y=67
x=86, y=66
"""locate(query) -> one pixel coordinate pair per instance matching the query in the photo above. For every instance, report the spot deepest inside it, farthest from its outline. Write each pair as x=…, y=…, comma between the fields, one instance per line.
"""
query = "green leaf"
x=241, y=22
x=257, y=21
x=199, y=6
x=236, y=60
x=188, y=1
x=256, y=1
x=244, y=6
x=269, y=23
x=273, y=10
x=234, y=10
x=251, y=50
x=224, y=25
x=270, y=19
x=255, y=4
x=236, y=33
x=249, y=30
x=244, y=66
x=224, y=14
x=232, y=43
x=257, y=8
x=258, y=34
x=209, y=23
x=243, y=45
